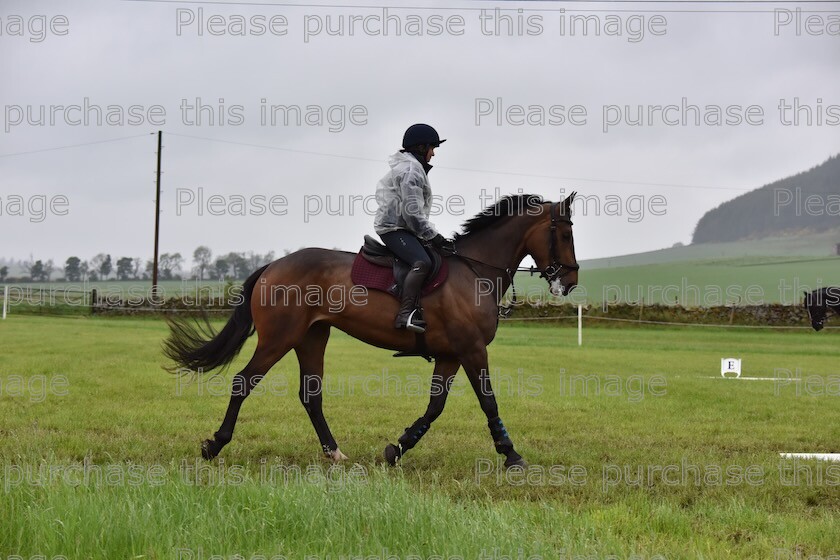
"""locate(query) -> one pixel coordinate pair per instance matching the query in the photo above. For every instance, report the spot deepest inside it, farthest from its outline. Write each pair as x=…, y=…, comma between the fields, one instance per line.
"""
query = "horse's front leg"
x=442, y=377
x=476, y=367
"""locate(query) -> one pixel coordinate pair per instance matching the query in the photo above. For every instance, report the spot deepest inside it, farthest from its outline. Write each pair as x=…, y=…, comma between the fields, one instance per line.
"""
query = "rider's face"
x=430, y=154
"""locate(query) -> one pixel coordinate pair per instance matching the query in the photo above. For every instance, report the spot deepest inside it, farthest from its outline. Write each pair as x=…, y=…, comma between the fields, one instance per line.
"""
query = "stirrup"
x=414, y=322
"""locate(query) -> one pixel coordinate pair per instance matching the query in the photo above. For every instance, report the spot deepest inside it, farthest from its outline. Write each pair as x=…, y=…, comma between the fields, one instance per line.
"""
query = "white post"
x=580, y=325
x=5, y=300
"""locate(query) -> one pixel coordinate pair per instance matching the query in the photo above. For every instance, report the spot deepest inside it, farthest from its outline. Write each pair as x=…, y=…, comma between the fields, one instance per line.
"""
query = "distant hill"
x=778, y=209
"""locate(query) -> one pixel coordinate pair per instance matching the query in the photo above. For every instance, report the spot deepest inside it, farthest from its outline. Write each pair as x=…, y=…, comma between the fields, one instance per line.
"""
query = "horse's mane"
x=509, y=205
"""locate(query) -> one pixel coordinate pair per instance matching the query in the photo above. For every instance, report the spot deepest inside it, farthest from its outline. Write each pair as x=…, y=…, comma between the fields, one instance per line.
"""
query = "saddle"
x=376, y=267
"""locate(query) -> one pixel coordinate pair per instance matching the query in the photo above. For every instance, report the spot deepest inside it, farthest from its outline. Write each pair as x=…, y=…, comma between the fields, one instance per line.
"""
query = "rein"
x=555, y=270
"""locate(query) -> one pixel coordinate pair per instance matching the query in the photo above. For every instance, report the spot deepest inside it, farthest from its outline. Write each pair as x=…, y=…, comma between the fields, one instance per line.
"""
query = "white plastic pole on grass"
x=580, y=325
x=5, y=300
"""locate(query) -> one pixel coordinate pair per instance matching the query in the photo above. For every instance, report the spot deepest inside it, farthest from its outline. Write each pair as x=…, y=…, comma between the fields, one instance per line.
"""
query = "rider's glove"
x=443, y=243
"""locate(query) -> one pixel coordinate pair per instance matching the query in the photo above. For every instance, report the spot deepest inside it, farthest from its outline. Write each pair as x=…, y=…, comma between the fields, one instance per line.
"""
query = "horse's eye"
x=567, y=237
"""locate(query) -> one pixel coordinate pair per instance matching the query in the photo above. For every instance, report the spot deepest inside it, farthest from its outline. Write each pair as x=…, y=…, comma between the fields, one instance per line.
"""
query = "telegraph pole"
x=157, y=217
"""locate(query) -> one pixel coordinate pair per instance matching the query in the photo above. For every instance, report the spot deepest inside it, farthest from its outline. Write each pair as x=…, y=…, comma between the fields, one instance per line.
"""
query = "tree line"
x=171, y=266
x=804, y=203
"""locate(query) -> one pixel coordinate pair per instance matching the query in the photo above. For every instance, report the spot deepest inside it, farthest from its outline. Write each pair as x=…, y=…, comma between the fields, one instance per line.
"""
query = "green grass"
x=706, y=283
x=644, y=398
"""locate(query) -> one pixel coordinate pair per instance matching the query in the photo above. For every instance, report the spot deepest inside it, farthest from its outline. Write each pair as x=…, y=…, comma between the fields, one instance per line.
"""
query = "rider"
x=402, y=219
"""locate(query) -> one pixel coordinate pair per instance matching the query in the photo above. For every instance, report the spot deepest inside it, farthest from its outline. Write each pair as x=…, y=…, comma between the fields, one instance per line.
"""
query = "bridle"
x=555, y=270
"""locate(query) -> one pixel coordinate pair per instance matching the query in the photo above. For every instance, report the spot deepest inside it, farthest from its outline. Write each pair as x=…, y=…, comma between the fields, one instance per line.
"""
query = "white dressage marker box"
x=730, y=365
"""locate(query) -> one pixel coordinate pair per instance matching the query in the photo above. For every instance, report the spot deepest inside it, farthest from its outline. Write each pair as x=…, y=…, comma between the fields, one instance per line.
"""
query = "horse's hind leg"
x=442, y=377
x=310, y=353
x=264, y=357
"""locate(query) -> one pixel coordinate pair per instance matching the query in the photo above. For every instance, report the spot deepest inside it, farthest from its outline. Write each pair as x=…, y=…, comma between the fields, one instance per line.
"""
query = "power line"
x=678, y=2
x=379, y=161
x=566, y=10
x=73, y=146
x=466, y=169
x=582, y=179
x=265, y=147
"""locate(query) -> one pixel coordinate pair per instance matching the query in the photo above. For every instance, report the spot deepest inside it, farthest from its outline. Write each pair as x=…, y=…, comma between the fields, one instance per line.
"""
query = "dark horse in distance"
x=462, y=317
x=819, y=302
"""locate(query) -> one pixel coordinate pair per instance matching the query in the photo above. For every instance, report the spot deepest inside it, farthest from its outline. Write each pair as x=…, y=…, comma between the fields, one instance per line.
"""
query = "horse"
x=462, y=317
x=819, y=302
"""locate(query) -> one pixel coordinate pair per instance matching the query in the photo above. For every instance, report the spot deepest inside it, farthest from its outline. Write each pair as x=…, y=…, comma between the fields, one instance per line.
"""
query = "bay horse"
x=462, y=317
x=819, y=302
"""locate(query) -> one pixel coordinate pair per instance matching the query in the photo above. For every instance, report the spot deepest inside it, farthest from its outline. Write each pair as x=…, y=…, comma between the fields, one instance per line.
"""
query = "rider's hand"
x=443, y=243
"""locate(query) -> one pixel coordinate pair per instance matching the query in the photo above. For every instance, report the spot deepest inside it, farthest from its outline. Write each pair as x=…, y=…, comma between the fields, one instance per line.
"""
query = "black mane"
x=509, y=205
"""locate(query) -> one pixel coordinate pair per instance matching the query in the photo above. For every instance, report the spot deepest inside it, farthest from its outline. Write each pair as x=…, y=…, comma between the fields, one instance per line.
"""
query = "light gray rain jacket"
x=405, y=198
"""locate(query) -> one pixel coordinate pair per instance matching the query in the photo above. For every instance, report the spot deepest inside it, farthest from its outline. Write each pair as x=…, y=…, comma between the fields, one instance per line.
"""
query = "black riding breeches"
x=407, y=247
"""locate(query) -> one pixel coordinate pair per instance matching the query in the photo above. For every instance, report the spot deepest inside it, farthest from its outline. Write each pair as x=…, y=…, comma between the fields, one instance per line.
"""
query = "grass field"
x=637, y=450
x=726, y=281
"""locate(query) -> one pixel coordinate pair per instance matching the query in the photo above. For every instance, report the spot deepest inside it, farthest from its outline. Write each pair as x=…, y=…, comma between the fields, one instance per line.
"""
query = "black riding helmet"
x=421, y=135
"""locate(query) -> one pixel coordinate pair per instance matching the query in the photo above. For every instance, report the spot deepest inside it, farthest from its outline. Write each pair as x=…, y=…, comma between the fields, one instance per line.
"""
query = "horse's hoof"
x=207, y=450
x=518, y=463
x=336, y=456
x=392, y=454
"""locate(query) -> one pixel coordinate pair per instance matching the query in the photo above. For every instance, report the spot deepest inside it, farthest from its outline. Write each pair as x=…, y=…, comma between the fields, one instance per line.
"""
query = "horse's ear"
x=567, y=204
x=806, y=294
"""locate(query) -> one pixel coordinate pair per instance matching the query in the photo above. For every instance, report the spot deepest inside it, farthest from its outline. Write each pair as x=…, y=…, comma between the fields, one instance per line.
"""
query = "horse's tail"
x=198, y=347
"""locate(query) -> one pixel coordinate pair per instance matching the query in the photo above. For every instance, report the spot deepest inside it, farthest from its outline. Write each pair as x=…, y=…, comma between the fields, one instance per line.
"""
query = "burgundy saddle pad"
x=374, y=277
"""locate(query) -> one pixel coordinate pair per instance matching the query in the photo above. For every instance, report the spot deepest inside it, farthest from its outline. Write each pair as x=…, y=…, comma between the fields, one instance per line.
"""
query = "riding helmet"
x=418, y=134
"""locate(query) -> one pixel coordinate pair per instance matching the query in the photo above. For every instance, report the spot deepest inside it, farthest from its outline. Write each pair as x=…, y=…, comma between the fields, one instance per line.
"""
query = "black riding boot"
x=410, y=316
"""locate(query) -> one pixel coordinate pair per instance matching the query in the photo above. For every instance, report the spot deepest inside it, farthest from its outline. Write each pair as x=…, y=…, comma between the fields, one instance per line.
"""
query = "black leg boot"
x=407, y=441
x=410, y=317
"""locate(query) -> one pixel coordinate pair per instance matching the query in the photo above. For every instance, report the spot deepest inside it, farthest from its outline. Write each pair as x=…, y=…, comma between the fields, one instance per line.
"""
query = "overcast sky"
x=660, y=178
